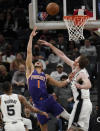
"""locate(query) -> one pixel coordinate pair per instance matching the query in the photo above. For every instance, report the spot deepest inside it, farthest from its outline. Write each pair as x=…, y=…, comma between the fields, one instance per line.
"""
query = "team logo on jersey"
x=38, y=77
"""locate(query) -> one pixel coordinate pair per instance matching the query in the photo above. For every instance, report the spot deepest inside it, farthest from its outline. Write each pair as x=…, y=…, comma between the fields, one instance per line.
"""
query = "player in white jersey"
x=80, y=115
x=11, y=109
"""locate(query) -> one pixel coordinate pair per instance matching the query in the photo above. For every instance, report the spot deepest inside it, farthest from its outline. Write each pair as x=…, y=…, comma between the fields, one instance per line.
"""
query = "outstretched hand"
x=33, y=33
x=71, y=75
x=42, y=42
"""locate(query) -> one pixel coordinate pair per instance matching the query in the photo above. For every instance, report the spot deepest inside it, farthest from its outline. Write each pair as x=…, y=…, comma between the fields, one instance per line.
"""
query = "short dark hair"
x=83, y=61
x=6, y=86
x=64, y=77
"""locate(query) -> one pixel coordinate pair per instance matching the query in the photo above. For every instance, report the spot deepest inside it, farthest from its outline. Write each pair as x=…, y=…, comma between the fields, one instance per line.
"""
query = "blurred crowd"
x=14, y=35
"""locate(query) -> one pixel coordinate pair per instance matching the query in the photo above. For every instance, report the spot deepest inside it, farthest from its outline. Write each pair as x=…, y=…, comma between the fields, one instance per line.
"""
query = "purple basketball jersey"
x=37, y=86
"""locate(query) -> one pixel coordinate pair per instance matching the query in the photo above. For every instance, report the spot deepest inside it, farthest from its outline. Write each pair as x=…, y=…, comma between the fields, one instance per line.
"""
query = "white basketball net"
x=75, y=25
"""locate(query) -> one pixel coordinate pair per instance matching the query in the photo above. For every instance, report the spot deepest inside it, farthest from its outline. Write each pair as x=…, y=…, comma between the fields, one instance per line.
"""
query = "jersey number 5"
x=10, y=110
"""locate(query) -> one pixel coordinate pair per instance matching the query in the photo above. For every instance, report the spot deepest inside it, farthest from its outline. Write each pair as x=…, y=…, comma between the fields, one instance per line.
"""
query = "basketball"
x=52, y=8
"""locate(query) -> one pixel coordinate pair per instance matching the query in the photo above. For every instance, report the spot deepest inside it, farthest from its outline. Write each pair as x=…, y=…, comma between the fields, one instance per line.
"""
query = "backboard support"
x=59, y=24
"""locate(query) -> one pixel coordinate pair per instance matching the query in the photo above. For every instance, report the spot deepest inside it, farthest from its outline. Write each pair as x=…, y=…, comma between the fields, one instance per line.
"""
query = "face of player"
x=38, y=64
x=10, y=91
x=76, y=62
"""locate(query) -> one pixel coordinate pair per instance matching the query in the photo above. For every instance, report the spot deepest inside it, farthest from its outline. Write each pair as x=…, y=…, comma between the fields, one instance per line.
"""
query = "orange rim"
x=77, y=19
x=76, y=16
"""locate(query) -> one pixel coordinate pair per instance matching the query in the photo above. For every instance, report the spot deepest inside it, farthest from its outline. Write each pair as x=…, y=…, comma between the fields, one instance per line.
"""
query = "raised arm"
x=33, y=109
x=58, y=52
x=29, y=50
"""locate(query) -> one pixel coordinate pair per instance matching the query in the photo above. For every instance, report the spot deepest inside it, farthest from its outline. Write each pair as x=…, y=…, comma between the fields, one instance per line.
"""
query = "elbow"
x=88, y=86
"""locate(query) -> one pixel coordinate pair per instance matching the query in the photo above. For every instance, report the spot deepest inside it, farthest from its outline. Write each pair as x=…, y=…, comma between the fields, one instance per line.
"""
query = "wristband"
x=68, y=80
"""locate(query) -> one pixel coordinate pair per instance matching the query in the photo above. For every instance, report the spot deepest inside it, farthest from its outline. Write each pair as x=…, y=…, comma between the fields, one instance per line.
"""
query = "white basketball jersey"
x=80, y=93
x=10, y=108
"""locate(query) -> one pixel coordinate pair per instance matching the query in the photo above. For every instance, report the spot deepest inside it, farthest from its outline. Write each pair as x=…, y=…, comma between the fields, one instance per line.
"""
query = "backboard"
x=39, y=17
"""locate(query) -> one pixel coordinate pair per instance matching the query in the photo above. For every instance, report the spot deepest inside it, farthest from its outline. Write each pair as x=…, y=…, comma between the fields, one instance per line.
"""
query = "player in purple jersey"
x=37, y=80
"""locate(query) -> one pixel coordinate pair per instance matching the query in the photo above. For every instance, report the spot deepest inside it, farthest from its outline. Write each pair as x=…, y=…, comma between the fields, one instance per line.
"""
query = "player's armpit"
x=86, y=84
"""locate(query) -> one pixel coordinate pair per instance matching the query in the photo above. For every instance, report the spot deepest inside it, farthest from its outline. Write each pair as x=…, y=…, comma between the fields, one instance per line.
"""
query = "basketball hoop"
x=75, y=25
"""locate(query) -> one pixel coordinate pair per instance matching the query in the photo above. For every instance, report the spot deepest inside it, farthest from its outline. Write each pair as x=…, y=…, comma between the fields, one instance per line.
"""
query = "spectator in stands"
x=3, y=43
x=57, y=76
x=61, y=43
x=59, y=72
x=20, y=18
x=4, y=75
x=88, y=49
x=53, y=58
x=19, y=80
x=9, y=24
x=68, y=96
x=18, y=60
x=37, y=52
x=73, y=51
x=6, y=64
x=8, y=56
x=28, y=115
x=2, y=21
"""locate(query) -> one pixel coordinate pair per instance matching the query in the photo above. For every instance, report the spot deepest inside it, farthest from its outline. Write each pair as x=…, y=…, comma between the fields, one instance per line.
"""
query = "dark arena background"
x=17, y=19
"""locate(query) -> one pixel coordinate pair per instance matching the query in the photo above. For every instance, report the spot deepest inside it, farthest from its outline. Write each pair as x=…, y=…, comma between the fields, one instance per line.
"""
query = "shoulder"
x=20, y=97
x=1, y=96
x=15, y=95
x=83, y=73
